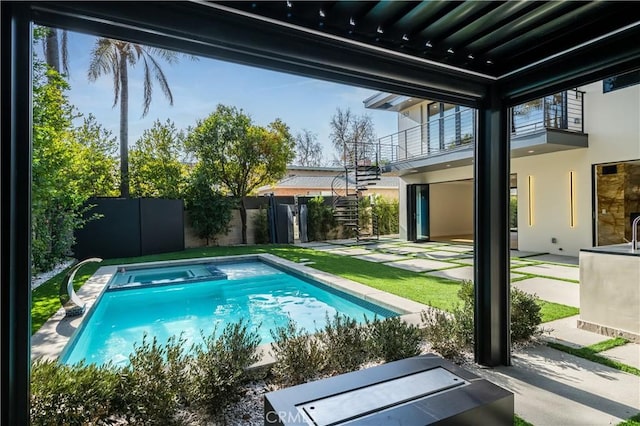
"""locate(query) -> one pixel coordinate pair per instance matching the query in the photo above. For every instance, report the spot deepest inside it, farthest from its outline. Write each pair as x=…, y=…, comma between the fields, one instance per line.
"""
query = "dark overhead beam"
x=616, y=54
x=229, y=35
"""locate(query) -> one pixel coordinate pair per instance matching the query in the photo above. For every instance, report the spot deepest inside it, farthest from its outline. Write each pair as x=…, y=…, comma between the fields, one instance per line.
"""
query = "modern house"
x=575, y=166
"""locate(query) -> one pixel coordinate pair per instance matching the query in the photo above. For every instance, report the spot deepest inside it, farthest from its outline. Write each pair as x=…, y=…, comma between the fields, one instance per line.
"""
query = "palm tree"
x=52, y=47
x=114, y=57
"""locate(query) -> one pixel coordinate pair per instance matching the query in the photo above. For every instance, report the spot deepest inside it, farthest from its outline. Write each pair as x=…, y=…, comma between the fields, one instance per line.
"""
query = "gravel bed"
x=39, y=279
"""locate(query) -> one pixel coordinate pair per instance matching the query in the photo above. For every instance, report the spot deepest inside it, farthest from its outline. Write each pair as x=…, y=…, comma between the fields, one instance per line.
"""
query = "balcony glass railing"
x=456, y=130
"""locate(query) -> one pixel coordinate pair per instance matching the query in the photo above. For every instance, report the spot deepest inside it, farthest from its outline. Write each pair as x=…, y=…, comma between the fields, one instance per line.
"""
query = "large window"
x=620, y=81
x=449, y=126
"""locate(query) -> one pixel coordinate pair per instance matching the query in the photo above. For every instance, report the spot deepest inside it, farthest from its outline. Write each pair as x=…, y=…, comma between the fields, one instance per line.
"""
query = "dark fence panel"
x=161, y=225
x=131, y=227
x=115, y=234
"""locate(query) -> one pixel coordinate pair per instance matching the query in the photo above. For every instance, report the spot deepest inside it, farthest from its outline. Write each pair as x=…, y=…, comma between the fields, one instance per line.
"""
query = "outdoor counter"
x=610, y=291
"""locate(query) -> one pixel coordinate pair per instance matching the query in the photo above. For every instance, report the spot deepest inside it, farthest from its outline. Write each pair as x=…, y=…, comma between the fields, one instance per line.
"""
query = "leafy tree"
x=308, y=150
x=209, y=209
x=240, y=155
x=156, y=166
x=353, y=136
x=99, y=168
x=114, y=57
x=57, y=192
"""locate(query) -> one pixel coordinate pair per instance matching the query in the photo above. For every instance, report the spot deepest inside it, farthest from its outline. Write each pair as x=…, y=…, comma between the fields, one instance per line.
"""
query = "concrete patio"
x=551, y=387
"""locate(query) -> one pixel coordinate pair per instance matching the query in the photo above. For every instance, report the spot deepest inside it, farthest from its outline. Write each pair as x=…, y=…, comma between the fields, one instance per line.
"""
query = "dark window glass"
x=449, y=126
x=620, y=81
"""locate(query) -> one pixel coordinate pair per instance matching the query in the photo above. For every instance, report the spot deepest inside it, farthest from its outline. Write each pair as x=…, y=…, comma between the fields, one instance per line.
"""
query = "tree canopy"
x=69, y=165
x=115, y=57
x=352, y=135
x=308, y=149
x=157, y=169
x=241, y=155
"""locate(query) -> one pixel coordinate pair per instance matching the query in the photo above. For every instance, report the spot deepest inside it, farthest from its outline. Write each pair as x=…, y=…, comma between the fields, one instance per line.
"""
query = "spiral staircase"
x=349, y=188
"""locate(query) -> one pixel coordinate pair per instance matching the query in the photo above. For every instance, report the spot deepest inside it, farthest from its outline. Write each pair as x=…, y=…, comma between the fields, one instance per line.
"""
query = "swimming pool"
x=176, y=300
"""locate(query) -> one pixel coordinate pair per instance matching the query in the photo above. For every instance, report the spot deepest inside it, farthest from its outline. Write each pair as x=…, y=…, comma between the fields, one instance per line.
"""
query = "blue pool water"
x=253, y=291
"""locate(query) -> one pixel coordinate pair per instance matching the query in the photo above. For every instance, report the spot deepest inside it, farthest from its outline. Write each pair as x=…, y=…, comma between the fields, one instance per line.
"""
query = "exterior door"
x=418, y=212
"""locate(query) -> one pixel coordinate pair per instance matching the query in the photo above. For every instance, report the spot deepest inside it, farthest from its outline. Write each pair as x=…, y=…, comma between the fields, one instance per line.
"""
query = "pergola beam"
x=15, y=213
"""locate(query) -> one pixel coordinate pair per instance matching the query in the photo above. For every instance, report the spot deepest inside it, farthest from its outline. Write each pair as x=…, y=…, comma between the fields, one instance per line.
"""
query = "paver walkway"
x=420, y=265
x=551, y=387
x=553, y=270
x=555, y=291
x=554, y=388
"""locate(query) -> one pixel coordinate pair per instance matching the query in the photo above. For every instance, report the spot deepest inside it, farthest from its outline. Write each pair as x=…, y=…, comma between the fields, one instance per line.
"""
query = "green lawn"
x=433, y=291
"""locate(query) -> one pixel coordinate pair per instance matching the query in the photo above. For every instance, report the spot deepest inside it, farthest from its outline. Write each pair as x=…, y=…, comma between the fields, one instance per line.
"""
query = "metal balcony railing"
x=456, y=130
x=562, y=111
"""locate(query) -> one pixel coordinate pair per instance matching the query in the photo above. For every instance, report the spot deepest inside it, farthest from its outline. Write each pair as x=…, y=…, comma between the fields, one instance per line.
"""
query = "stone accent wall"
x=631, y=194
x=618, y=196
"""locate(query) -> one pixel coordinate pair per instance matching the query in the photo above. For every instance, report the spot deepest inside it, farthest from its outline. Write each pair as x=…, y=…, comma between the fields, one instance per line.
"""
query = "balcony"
x=550, y=124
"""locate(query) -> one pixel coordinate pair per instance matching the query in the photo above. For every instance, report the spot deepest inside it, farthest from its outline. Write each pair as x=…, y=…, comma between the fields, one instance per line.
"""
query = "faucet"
x=634, y=234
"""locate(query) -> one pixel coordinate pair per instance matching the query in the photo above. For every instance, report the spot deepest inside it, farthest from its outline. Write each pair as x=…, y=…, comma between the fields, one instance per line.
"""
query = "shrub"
x=178, y=367
x=525, y=313
x=445, y=333
x=525, y=316
x=388, y=214
x=320, y=219
x=513, y=211
x=150, y=389
x=345, y=344
x=261, y=224
x=210, y=211
x=364, y=214
x=393, y=339
x=219, y=366
x=299, y=356
x=72, y=395
x=451, y=333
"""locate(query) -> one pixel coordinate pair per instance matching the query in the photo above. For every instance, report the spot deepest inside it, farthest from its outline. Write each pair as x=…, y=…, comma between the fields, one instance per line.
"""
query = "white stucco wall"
x=612, y=121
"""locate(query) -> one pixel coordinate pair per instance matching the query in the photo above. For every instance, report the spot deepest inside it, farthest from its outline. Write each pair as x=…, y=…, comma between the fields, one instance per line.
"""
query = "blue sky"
x=199, y=86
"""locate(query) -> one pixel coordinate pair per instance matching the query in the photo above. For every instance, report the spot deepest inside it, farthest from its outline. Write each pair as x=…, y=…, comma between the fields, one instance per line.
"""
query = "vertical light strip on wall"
x=572, y=195
x=530, y=200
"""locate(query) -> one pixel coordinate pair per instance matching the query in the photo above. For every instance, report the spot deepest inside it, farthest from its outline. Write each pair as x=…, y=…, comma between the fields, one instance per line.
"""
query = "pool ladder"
x=72, y=304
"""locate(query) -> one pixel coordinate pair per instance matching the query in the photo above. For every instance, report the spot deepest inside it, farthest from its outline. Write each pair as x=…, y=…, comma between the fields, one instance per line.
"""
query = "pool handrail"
x=73, y=305
x=634, y=234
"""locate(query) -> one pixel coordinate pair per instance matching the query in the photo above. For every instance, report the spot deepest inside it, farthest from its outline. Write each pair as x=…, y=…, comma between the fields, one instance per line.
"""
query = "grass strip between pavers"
x=517, y=421
x=588, y=352
x=632, y=421
x=552, y=311
x=433, y=291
